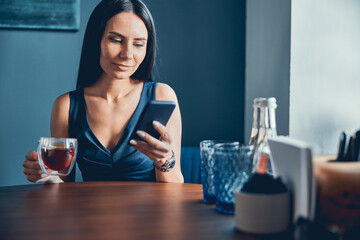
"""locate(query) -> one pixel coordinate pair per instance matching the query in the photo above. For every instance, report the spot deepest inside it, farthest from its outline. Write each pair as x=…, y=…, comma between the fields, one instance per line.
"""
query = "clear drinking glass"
x=232, y=169
x=57, y=155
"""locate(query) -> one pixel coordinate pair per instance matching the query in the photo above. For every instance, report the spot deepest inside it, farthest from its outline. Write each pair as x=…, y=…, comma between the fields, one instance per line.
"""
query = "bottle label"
x=262, y=164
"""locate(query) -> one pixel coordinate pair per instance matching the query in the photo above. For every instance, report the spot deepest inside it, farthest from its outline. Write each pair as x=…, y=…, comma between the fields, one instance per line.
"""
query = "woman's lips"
x=122, y=67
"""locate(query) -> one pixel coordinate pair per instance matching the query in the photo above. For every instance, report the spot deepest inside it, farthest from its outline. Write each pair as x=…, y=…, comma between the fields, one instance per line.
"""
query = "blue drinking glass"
x=231, y=170
x=207, y=170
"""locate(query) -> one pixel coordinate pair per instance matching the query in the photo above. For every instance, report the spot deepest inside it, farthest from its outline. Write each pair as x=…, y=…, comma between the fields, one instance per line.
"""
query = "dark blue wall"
x=201, y=55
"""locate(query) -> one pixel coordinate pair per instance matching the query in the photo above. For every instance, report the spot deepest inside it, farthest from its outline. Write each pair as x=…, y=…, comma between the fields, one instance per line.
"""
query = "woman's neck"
x=112, y=90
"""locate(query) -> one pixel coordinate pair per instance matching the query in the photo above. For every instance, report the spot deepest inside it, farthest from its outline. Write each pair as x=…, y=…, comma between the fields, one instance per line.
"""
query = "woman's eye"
x=138, y=44
x=115, y=40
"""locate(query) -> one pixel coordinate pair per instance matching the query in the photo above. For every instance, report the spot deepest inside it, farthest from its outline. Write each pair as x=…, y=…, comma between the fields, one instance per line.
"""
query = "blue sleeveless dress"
x=97, y=163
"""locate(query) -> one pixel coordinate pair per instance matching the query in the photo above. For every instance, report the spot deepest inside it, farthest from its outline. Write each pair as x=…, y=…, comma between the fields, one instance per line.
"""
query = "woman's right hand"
x=31, y=166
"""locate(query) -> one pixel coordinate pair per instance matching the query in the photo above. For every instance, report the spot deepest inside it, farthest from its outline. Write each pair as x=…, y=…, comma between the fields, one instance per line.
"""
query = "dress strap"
x=76, y=112
x=150, y=88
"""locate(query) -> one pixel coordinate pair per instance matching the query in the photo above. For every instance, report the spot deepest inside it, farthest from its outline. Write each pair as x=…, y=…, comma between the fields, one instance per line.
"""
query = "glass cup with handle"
x=57, y=156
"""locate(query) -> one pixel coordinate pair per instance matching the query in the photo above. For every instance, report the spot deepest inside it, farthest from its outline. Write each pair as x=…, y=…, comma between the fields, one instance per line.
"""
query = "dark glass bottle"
x=262, y=182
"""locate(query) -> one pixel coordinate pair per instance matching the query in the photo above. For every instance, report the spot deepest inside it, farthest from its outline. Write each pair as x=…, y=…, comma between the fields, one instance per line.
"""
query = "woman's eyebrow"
x=120, y=35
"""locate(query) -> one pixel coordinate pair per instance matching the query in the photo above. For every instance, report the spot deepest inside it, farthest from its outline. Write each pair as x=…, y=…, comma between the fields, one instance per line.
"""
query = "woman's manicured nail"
x=133, y=142
x=140, y=133
x=156, y=123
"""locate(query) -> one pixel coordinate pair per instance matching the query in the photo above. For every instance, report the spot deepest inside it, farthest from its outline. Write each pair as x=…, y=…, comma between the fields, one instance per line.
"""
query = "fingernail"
x=140, y=133
x=133, y=142
x=156, y=123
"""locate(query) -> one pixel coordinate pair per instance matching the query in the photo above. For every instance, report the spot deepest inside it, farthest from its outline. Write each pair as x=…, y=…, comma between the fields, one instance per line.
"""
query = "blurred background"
x=218, y=56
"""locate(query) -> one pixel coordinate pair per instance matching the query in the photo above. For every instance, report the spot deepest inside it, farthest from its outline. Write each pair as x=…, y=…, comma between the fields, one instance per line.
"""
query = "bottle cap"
x=265, y=102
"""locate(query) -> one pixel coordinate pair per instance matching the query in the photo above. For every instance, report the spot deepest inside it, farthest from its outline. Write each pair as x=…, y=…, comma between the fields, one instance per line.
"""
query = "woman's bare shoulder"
x=164, y=92
x=62, y=103
x=60, y=116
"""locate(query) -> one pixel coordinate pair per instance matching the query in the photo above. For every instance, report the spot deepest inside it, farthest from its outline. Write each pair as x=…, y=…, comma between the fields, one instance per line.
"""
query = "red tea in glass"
x=57, y=155
x=57, y=158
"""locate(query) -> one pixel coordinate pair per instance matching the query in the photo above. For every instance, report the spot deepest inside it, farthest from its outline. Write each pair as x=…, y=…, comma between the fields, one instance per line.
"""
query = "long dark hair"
x=89, y=68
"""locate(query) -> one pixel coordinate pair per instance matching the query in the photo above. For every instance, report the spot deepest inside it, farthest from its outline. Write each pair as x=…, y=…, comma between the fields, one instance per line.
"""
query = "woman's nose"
x=126, y=52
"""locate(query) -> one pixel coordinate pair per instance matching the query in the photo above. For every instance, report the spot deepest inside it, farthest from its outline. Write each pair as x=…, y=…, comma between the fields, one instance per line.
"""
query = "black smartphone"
x=154, y=111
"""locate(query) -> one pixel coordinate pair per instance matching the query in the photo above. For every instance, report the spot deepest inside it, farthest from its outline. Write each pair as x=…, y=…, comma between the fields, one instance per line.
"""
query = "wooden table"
x=112, y=210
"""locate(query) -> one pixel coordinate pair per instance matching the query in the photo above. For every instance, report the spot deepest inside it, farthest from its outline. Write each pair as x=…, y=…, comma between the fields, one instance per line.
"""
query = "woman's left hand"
x=158, y=150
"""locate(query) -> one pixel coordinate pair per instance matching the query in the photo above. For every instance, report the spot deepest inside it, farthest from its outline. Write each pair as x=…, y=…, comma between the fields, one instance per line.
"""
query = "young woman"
x=113, y=86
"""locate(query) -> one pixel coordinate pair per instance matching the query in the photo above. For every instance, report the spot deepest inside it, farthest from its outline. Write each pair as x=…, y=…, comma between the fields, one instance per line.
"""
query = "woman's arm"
x=59, y=123
x=161, y=150
x=59, y=128
x=174, y=128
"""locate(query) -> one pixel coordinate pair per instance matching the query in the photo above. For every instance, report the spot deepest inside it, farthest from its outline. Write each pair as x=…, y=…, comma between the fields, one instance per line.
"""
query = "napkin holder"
x=292, y=162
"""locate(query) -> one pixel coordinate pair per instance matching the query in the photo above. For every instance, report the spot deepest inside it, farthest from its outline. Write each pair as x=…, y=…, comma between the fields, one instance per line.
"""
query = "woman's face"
x=123, y=45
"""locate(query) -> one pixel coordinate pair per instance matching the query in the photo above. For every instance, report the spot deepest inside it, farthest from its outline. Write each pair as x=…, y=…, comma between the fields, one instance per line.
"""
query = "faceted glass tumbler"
x=207, y=168
x=231, y=170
